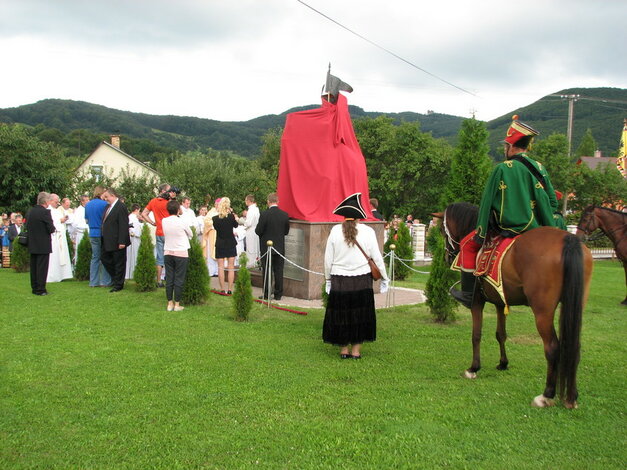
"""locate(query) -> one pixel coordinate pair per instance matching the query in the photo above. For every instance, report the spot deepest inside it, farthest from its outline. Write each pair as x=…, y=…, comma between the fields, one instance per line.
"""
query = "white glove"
x=327, y=287
x=385, y=285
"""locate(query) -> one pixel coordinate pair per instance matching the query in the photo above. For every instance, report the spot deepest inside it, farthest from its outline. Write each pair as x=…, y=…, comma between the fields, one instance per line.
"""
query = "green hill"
x=600, y=109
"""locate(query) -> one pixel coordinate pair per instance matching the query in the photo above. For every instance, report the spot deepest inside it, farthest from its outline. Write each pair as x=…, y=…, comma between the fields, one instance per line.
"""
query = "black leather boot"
x=464, y=296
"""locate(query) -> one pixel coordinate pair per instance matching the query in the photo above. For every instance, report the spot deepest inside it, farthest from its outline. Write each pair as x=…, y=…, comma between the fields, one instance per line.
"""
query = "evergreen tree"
x=588, y=145
x=440, y=302
x=471, y=164
x=20, y=258
x=243, y=293
x=196, y=288
x=83, y=259
x=145, y=273
x=70, y=245
x=402, y=239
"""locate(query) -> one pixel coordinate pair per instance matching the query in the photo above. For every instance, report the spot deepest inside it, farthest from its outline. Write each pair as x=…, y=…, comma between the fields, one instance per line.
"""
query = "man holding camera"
x=158, y=206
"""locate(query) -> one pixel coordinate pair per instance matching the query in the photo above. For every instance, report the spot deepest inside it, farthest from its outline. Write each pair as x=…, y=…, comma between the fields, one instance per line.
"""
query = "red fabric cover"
x=321, y=163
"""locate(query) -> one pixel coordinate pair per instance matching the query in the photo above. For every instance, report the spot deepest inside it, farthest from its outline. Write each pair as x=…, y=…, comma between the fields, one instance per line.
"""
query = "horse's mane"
x=609, y=209
x=464, y=214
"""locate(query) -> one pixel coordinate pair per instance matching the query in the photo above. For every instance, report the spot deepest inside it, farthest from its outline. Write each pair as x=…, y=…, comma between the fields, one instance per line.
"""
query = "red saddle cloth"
x=489, y=261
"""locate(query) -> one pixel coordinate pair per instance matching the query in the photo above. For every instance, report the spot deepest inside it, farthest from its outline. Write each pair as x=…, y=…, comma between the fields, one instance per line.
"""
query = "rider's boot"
x=464, y=296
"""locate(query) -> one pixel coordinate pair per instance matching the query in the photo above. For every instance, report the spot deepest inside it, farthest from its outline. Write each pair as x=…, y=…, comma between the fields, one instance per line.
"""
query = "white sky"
x=239, y=59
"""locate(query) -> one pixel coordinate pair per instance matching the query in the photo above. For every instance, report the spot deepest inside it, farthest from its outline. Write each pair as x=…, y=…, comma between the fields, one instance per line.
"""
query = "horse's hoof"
x=470, y=375
x=502, y=366
x=571, y=406
x=542, y=402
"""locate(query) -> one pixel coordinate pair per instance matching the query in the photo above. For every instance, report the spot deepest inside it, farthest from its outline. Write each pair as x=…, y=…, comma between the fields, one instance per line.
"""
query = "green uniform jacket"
x=516, y=199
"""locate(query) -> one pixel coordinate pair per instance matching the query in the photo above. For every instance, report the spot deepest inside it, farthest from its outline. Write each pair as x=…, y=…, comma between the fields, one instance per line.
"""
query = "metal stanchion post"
x=390, y=294
x=268, y=276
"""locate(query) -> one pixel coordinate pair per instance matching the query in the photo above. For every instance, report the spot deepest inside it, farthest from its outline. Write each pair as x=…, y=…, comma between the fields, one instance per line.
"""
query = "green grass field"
x=90, y=379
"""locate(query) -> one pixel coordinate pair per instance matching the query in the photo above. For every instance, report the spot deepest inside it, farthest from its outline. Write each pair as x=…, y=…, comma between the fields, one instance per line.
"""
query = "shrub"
x=196, y=289
x=145, y=273
x=83, y=259
x=402, y=251
x=243, y=293
x=440, y=302
x=70, y=246
x=20, y=258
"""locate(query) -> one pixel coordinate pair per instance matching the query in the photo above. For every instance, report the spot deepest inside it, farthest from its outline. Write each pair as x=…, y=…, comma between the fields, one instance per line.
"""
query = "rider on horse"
x=518, y=197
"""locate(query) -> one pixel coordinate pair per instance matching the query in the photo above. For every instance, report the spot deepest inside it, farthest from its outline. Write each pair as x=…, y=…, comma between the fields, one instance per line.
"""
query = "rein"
x=590, y=221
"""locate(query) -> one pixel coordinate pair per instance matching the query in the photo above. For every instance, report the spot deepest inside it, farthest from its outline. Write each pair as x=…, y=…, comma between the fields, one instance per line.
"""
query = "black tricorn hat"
x=351, y=208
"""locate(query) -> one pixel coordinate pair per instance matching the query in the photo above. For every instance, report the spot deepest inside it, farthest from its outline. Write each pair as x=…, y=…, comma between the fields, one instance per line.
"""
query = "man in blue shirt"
x=94, y=210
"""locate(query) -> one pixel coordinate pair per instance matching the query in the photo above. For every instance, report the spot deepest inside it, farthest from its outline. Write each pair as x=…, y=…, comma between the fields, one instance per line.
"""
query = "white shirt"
x=343, y=260
x=188, y=216
x=177, y=234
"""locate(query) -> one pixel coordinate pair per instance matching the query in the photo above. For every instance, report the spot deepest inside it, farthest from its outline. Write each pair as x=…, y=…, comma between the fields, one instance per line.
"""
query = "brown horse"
x=544, y=267
x=613, y=224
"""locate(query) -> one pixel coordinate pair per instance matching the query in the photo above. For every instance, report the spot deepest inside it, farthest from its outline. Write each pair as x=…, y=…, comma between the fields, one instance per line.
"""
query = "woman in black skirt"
x=350, y=318
x=226, y=244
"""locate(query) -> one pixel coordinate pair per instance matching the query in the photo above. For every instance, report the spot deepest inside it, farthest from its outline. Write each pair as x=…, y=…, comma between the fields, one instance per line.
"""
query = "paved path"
x=397, y=296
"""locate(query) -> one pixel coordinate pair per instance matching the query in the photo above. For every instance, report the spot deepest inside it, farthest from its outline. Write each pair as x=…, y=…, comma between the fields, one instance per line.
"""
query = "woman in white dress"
x=135, y=230
x=60, y=266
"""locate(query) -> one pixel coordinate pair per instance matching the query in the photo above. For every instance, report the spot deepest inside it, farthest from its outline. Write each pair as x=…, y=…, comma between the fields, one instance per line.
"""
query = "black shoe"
x=277, y=297
x=465, y=295
x=346, y=356
x=356, y=357
x=40, y=293
x=228, y=292
x=116, y=289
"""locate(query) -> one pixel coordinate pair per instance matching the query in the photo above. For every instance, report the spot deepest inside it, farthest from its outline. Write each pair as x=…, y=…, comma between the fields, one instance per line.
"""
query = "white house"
x=109, y=160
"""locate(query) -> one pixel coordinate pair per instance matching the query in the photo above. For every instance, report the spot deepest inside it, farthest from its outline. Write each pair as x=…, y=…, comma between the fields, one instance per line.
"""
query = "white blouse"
x=176, y=233
x=343, y=260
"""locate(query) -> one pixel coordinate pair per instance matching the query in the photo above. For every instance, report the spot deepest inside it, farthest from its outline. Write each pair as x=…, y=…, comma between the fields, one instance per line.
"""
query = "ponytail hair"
x=349, y=229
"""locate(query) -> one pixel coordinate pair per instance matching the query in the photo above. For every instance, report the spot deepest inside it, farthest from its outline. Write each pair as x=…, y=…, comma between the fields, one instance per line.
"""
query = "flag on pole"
x=621, y=161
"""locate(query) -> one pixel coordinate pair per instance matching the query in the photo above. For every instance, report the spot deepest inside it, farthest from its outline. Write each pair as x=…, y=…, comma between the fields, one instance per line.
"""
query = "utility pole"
x=569, y=131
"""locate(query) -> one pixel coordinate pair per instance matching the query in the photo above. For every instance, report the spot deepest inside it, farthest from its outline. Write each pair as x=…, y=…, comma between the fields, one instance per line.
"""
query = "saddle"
x=489, y=260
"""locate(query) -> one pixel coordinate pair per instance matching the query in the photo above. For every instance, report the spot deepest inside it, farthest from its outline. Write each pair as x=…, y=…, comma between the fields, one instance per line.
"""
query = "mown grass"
x=90, y=379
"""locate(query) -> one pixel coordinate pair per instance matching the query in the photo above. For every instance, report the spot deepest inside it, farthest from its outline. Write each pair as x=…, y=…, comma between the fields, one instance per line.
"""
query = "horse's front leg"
x=624, y=302
x=477, y=322
x=501, y=336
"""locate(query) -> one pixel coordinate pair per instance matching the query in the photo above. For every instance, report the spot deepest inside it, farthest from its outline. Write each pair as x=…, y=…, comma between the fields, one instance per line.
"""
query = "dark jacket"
x=274, y=224
x=39, y=226
x=114, y=229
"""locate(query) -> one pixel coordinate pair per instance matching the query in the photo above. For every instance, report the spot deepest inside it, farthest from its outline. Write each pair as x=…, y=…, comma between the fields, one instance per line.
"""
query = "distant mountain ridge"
x=600, y=109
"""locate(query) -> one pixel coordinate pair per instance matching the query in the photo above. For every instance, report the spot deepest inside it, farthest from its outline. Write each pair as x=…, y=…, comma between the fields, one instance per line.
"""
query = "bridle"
x=451, y=243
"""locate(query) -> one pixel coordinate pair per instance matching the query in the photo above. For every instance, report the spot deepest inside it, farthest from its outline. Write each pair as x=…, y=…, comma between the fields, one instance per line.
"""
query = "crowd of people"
x=114, y=232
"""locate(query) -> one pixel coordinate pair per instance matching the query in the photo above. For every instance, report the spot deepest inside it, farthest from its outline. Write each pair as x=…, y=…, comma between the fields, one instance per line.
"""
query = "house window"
x=96, y=172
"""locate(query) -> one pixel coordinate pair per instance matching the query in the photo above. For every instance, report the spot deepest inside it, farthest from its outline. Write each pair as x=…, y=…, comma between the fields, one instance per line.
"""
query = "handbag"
x=374, y=270
x=22, y=238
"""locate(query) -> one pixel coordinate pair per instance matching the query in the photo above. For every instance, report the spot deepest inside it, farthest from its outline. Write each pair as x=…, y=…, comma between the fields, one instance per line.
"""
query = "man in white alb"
x=250, y=223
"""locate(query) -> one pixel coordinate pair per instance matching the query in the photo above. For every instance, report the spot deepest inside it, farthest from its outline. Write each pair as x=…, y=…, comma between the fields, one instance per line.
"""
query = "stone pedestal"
x=304, y=246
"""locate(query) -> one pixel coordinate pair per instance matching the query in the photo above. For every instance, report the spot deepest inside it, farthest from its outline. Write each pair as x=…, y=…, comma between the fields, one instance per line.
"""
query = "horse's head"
x=588, y=223
x=458, y=220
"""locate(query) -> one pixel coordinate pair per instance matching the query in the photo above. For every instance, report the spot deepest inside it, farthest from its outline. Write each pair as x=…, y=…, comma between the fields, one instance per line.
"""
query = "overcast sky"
x=239, y=59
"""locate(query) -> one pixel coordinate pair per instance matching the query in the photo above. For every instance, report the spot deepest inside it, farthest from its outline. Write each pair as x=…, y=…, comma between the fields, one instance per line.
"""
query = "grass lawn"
x=90, y=379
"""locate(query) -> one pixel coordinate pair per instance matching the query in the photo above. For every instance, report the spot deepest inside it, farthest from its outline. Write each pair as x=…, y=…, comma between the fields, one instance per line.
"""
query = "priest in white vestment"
x=250, y=224
x=60, y=267
x=135, y=231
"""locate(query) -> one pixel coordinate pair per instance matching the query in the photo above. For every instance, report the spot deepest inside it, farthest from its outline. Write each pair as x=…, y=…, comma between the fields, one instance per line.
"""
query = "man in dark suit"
x=39, y=226
x=115, y=239
x=14, y=230
x=273, y=225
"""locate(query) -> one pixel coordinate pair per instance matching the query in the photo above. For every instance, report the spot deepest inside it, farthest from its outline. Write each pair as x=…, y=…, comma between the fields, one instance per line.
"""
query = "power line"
x=384, y=49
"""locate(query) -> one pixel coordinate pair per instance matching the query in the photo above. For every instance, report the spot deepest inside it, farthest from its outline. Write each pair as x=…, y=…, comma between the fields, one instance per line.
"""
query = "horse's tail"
x=570, y=317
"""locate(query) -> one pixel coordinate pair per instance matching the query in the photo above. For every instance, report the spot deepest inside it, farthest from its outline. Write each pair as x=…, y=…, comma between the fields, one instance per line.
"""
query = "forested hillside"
x=150, y=137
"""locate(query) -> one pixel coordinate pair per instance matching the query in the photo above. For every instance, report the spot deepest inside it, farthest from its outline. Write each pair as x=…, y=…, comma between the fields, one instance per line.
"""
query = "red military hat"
x=517, y=130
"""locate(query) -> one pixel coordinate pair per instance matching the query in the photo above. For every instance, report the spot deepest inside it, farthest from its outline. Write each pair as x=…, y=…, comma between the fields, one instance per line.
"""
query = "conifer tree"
x=70, y=245
x=145, y=273
x=440, y=302
x=588, y=145
x=471, y=164
x=402, y=251
x=20, y=258
x=196, y=288
x=243, y=293
x=83, y=259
